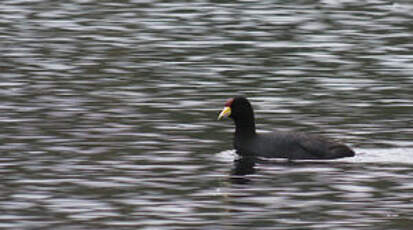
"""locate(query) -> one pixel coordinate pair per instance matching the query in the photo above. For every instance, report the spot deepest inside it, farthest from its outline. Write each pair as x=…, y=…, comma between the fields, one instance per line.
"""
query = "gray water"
x=108, y=113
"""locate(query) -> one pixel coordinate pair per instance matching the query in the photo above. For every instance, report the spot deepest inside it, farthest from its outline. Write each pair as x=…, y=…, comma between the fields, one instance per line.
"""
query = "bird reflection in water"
x=242, y=167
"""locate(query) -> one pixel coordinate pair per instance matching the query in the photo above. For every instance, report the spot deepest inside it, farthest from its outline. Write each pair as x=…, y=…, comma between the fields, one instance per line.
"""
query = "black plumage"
x=291, y=145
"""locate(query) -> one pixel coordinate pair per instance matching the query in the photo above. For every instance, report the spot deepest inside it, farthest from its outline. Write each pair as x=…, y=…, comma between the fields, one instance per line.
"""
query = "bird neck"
x=245, y=127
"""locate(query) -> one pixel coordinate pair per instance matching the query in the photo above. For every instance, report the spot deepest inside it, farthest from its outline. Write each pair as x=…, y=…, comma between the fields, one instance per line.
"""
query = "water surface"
x=108, y=113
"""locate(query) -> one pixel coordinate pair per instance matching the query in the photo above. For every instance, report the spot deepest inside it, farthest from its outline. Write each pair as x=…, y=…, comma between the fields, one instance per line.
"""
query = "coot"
x=291, y=145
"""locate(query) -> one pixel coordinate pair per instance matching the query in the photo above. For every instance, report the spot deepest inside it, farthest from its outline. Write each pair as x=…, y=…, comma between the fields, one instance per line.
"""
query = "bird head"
x=236, y=107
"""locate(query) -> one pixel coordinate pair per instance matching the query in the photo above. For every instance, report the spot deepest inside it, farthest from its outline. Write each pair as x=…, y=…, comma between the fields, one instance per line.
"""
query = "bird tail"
x=341, y=151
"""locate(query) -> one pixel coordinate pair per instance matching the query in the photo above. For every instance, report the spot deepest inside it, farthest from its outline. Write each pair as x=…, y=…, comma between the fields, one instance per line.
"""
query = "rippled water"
x=108, y=113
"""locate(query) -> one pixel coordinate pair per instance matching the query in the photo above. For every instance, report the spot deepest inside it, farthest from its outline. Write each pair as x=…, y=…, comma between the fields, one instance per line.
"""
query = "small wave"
x=383, y=156
x=371, y=155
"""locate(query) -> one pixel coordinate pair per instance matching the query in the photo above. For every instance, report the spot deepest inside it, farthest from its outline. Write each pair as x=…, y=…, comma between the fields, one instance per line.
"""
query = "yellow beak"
x=225, y=112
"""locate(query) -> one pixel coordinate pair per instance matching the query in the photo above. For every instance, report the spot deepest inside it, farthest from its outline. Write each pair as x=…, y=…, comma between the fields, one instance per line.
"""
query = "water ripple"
x=108, y=113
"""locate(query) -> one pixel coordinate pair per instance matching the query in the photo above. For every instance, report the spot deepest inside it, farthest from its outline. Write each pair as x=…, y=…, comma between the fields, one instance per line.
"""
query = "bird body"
x=291, y=145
